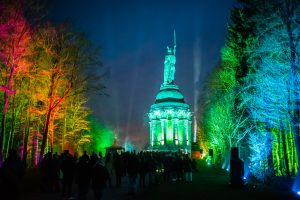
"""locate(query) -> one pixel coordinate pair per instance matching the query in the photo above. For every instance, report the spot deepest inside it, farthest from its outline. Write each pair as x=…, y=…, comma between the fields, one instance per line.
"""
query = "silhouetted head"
x=66, y=151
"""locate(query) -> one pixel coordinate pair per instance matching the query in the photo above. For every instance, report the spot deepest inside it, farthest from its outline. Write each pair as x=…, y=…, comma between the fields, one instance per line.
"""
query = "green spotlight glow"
x=102, y=136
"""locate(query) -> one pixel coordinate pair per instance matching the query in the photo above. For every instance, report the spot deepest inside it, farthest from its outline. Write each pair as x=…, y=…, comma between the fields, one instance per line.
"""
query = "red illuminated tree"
x=46, y=74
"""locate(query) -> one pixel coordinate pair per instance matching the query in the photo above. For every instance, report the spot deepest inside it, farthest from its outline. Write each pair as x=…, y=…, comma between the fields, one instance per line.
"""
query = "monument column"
x=175, y=131
x=152, y=131
x=162, y=142
x=186, y=127
x=151, y=141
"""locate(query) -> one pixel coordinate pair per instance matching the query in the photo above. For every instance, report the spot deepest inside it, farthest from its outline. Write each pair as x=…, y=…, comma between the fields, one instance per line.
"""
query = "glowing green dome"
x=169, y=93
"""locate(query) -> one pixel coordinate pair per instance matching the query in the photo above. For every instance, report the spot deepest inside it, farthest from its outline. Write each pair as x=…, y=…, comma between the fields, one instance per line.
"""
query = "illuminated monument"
x=170, y=117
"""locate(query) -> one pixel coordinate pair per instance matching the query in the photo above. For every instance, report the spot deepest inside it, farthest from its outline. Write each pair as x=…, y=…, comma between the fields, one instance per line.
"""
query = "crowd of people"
x=11, y=176
x=58, y=173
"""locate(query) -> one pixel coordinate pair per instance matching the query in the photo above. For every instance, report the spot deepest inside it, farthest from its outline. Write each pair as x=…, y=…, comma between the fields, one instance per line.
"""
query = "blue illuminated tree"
x=271, y=93
x=258, y=83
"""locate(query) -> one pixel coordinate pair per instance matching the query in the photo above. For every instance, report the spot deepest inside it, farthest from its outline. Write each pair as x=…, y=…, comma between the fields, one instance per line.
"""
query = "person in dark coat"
x=167, y=162
x=85, y=157
x=83, y=177
x=93, y=159
x=46, y=173
x=179, y=167
x=55, y=172
x=151, y=167
x=100, y=176
x=68, y=171
x=142, y=171
x=11, y=176
x=118, y=169
x=187, y=167
x=132, y=170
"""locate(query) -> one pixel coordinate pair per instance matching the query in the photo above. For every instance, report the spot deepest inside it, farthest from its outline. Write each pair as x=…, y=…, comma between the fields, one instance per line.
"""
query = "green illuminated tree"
x=223, y=119
x=224, y=126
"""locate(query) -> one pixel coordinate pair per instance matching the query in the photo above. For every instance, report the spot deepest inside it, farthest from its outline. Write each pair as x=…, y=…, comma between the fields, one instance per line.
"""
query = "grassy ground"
x=210, y=184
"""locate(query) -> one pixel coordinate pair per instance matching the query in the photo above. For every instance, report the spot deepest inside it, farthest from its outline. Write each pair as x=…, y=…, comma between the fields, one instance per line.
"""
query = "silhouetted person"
x=68, y=170
x=167, y=162
x=46, y=173
x=83, y=176
x=93, y=159
x=142, y=171
x=179, y=168
x=151, y=170
x=118, y=169
x=173, y=168
x=132, y=170
x=100, y=176
x=55, y=172
x=187, y=167
x=85, y=157
x=194, y=165
x=11, y=176
x=109, y=164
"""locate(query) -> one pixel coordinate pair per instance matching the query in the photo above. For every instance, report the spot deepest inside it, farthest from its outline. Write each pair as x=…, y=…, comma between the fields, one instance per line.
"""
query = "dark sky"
x=134, y=35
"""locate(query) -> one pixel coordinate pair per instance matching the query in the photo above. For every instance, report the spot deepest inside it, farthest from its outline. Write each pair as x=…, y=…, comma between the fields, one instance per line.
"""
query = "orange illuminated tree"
x=62, y=57
x=47, y=72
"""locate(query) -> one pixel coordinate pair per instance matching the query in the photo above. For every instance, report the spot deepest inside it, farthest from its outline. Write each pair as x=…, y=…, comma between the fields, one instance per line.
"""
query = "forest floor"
x=208, y=184
x=213, y=184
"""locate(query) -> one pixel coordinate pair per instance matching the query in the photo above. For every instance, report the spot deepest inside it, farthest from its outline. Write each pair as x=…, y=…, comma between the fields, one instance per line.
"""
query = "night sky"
x=133, y=35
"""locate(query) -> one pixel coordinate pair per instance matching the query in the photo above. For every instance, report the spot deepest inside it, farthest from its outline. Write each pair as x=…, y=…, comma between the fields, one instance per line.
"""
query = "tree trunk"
x=33, y=148
x=294, y=156
x=36, y=143
x=26, y=142
x=11, y=132
x=45, y=134
x=284, y=146
x=270, y=168
x=287, y=17
x=64, y=132
x=2, y=134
